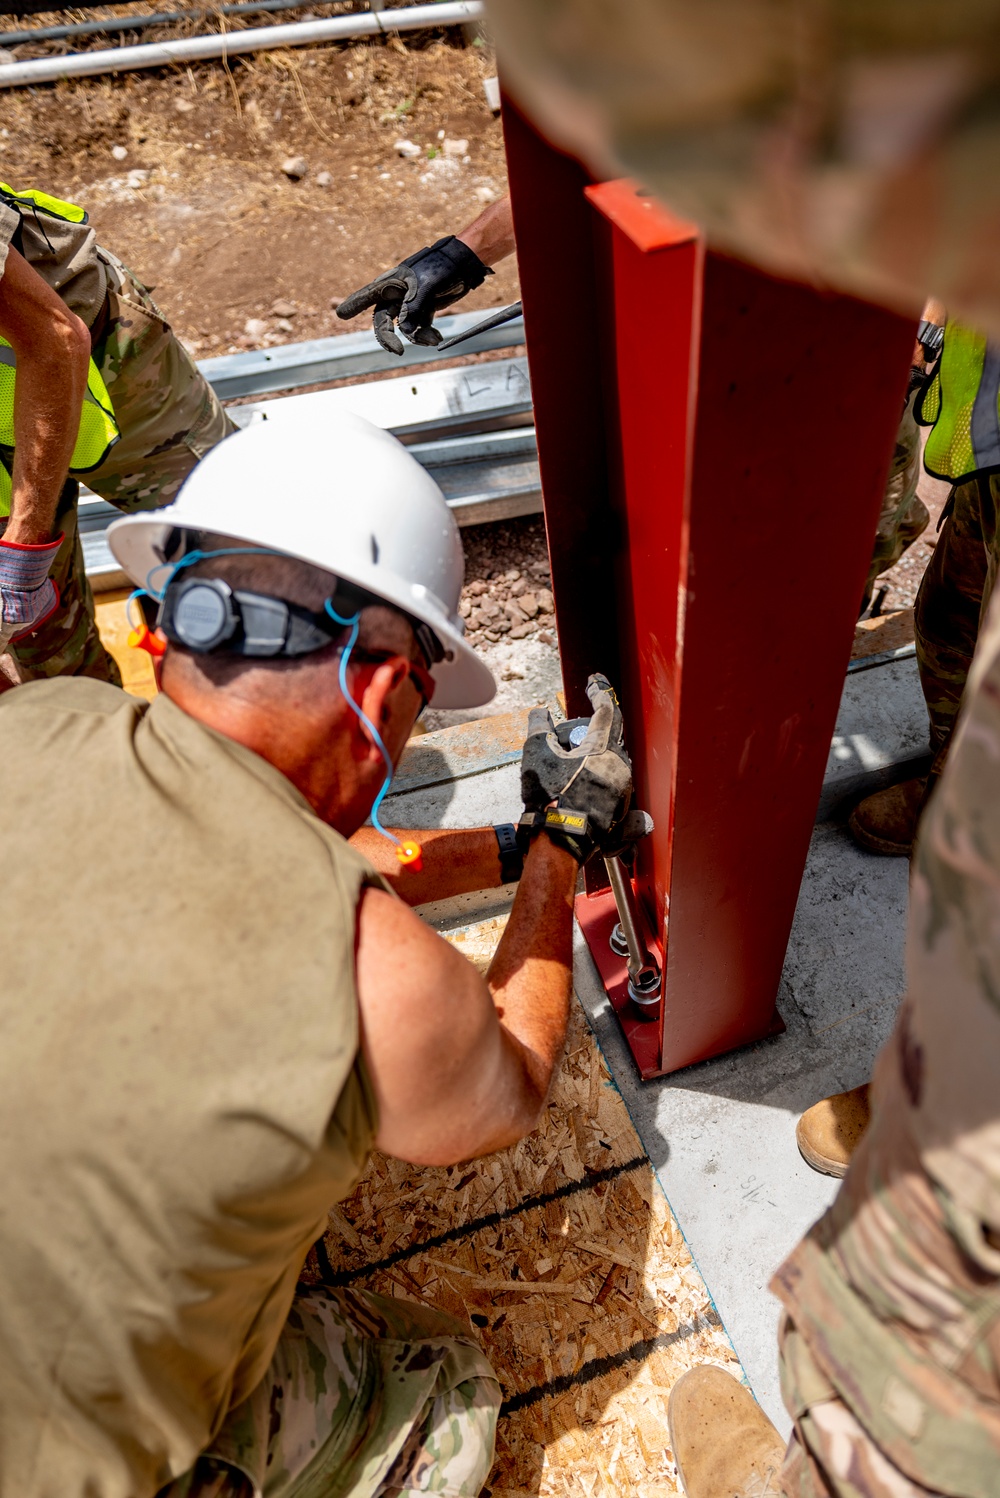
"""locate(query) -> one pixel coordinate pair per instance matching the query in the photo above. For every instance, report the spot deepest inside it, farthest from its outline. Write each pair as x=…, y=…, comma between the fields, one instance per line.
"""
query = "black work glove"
x=413, y=291
x=583, y=768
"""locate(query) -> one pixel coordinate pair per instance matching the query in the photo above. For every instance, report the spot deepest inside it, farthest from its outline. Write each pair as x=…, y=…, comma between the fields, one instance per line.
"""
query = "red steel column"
x=560, y=288
x=724, y=554
x=799, y=397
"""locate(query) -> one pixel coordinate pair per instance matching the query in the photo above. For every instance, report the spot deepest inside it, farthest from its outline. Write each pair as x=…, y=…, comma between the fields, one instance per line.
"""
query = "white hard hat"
x=348, y=498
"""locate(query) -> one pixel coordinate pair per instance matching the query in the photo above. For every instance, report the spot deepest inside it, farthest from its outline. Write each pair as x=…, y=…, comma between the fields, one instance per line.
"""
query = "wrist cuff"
x=568, y=829
x=25, y=567
x=466, y=262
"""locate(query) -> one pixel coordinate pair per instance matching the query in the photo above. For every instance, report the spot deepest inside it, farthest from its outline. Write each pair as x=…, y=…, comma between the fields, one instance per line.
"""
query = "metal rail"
x=30, y=7
x=143, y=21
x=348, y=356
x=232, y=43
x=469, y=427
x=884, y=658
x=447, y=402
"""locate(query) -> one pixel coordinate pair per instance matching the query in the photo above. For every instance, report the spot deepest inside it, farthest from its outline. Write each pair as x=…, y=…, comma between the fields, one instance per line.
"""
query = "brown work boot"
x=827, y=1134
x=723, y=1443
x=886, y=821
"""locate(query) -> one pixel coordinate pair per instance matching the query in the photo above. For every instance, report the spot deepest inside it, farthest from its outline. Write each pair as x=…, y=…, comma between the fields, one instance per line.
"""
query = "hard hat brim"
x=462, y=680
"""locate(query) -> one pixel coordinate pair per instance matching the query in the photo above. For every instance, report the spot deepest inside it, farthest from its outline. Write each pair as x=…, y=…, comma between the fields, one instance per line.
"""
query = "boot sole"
x=823, y=1163
x=874, y=844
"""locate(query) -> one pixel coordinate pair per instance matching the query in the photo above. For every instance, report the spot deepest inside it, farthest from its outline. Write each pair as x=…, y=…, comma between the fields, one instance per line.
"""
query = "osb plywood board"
x=884, y=632
x=562, y=1255
x=113, y=627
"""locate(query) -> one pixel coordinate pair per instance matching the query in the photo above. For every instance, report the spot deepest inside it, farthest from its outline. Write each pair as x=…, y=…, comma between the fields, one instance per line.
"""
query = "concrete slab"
x=475, y=801
x=881, y=733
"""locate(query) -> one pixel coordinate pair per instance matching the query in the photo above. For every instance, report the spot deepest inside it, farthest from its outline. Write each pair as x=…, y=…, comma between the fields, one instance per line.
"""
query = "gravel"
x=507, y=606
x=507, y=591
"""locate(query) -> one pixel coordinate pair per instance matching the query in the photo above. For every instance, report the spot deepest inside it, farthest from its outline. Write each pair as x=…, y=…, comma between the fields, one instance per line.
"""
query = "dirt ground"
x=200, y=207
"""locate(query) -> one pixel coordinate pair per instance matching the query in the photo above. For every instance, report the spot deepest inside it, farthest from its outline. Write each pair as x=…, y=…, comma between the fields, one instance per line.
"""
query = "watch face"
x=202, y=616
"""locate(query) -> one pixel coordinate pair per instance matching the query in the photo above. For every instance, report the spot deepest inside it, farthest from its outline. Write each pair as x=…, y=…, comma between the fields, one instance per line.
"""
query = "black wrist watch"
x=511, y=856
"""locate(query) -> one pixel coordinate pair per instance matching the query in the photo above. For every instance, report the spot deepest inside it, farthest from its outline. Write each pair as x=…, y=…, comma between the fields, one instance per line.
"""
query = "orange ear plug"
x=144, y=639
x=411, y=856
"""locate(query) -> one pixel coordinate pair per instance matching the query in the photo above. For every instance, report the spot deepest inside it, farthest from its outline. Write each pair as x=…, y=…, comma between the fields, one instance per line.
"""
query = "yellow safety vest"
x=962, y=404
x=98, y=431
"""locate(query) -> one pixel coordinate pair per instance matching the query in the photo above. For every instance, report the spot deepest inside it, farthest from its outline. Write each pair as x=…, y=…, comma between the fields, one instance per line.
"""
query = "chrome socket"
x=627, y=940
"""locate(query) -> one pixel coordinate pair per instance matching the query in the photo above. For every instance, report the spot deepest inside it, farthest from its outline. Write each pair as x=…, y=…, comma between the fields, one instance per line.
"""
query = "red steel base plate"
x=598, y=916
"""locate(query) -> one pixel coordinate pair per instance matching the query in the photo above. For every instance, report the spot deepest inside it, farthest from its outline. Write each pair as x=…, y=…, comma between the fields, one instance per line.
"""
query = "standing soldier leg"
x=365, y=1397
x=954, y=592
x=904, y=516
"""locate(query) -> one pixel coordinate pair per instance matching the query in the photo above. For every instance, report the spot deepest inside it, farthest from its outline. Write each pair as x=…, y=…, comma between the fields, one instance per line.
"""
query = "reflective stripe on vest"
x=962, y=403
x=97, y=434
x=31, y=198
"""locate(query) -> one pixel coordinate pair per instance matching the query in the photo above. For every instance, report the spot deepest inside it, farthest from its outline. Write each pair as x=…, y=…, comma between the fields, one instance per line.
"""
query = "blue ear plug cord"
x=353, y=624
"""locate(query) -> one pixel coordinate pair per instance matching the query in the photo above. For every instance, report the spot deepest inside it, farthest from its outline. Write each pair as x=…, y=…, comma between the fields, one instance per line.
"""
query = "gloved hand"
x=413, y=291
x=28, y=596
x=583, y=768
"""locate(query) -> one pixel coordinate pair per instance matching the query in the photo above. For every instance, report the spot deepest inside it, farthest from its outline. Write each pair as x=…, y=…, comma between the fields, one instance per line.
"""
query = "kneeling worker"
x=194, y=1073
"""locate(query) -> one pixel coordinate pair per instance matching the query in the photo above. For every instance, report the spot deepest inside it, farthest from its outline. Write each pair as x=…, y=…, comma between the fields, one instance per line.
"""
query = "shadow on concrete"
x=422, y=788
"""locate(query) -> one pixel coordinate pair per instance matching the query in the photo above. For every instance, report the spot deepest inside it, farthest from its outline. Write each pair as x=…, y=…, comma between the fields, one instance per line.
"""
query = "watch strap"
x=511, y=856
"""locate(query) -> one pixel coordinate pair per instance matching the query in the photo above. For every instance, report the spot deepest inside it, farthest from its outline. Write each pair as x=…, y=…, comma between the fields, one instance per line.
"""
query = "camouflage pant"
x=169, y=417
x=904, y=515
x=954, y=594
x=364, y=1396
x=891, y=1342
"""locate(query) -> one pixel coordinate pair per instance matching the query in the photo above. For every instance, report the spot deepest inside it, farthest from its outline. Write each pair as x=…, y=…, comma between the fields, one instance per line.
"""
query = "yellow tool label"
x=575, y=821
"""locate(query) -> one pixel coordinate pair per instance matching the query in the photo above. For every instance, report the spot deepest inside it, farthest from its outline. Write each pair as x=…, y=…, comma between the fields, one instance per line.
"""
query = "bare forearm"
x=52, y=347
x=491, y=235
x=461, y=1067
x=454, y=862
x=531, y=975
x=46, y=419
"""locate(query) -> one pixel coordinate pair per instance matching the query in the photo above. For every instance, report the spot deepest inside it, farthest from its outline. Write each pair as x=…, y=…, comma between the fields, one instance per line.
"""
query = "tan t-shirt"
x=181, y=1093
x=65, y=255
